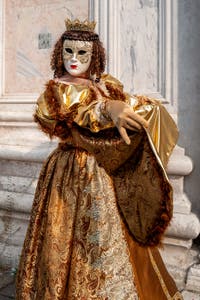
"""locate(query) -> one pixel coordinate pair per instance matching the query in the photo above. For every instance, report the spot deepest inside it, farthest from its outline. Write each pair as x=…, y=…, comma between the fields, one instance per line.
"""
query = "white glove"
x=124, y=118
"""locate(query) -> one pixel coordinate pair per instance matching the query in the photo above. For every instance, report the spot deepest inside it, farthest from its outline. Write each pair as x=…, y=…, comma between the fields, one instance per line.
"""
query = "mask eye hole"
x=81, y=52
x=68, y=50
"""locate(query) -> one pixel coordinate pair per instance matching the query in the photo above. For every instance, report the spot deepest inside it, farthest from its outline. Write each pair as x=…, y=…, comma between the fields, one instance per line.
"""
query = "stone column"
x=178, y=252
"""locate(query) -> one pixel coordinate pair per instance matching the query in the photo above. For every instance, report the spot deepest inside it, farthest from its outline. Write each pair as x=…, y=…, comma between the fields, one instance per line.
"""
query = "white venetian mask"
x=77, y=56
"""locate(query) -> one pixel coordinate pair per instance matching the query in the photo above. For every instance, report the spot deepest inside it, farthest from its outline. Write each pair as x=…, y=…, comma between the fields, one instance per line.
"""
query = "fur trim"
x=59, y=129
x=115, y=92
x=52, y=101
x=157, y=220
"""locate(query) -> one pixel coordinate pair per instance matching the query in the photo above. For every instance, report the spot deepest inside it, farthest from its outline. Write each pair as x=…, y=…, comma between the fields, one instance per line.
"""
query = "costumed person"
x=103, y=199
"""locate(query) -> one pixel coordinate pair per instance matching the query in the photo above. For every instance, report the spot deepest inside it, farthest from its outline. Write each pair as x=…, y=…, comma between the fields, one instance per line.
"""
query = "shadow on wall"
x=189, y=92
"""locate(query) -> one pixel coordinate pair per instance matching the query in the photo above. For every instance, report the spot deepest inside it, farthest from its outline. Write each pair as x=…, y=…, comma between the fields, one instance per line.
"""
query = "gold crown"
x=78, y=25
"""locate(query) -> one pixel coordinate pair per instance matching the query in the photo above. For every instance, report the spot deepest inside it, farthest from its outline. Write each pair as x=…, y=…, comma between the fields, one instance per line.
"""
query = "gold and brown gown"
x=101, y=206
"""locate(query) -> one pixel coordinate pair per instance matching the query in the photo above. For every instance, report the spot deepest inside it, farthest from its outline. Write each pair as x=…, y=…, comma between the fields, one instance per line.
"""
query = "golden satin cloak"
x=97, y=196
x=162, y=129
x=65, y=105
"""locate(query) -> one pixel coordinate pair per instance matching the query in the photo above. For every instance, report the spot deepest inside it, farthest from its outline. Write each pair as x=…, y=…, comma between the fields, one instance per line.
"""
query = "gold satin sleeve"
x=162, y=128
x=58, y=102
x=65, y=97
x=91, y=117
x=42, y=114
x=69, y=97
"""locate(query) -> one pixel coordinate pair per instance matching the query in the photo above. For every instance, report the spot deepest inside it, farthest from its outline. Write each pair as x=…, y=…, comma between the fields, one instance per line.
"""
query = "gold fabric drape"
x=100, y=206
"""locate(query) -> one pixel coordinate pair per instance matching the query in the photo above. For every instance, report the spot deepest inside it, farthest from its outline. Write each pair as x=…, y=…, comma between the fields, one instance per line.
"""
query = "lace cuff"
x=102, y=113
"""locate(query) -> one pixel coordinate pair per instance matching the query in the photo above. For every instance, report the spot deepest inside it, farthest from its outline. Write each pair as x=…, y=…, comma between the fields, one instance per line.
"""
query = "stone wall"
x=31, y=29
x=189, y=91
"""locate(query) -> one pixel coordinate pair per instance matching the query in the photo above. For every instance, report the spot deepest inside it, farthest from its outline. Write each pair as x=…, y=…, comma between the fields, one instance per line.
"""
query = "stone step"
x=193, y=278
x=190, y=295
x=15, y=202
x=178, y=261
x=13, y=226
x=27, y=134
x=178, y=256
x=17, y=168
x=184, y=226
x=184, y=243
x=18, y=184
x=9, y=256
x=18, y=108
x=6, y=278
x=178, y=274
x=30, y=153
x=8, y=292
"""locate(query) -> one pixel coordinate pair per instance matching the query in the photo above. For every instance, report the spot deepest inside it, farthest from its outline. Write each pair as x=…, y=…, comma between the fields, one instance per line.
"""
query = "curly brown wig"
x=97, y=65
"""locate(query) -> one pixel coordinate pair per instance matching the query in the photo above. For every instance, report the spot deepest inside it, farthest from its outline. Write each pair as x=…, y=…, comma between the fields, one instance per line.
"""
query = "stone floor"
x=7, y=293
x=7, y=287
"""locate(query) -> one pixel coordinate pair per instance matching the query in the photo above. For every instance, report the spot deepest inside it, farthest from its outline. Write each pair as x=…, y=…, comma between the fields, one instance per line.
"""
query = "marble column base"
x=193, y=278
x=190, y=295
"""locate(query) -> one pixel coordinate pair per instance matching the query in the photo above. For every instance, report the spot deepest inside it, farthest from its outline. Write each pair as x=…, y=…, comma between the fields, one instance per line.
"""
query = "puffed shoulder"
x=60, y=98
x=107, y=78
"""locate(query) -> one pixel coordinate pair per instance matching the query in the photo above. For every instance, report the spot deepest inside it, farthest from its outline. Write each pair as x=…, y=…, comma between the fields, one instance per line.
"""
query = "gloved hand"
x=124, y=118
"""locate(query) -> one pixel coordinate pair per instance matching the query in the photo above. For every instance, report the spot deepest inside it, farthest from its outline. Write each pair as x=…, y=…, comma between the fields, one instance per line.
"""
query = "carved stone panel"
x=140, y=39
x=30, y=29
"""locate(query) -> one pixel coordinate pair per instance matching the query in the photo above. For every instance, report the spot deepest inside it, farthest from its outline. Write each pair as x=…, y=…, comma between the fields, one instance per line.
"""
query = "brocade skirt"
x=78, y=247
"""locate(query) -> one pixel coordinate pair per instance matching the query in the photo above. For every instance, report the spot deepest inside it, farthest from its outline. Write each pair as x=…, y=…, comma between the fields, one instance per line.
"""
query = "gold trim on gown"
x=100, y=206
